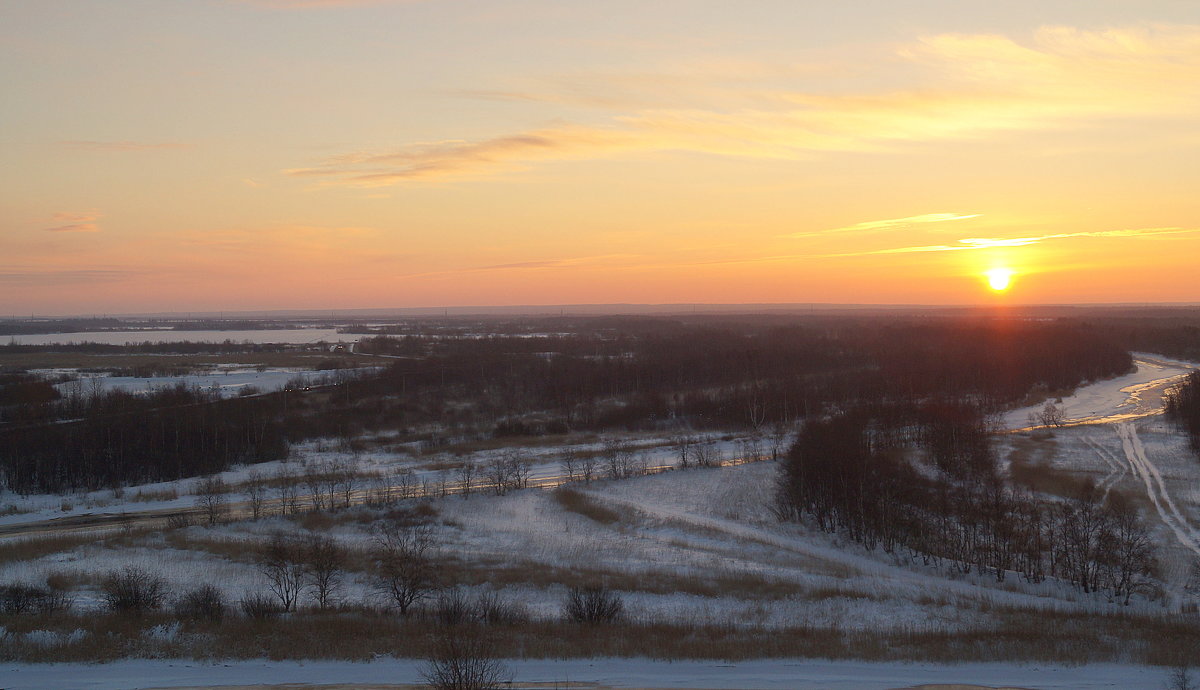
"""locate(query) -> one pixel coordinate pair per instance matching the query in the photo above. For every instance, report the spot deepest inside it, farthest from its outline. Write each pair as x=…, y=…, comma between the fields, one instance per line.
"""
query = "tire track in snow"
x=1156, y=489
x=1117, y=470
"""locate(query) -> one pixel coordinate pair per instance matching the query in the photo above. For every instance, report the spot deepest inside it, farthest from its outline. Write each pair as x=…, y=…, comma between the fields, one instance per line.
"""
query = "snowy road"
x=776, y=674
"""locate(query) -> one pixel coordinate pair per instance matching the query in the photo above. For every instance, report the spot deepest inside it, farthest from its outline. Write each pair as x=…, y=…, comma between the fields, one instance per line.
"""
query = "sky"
x=201, y=155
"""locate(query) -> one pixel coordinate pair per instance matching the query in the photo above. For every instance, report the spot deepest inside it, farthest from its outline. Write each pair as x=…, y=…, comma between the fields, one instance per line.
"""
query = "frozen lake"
x=291, y=336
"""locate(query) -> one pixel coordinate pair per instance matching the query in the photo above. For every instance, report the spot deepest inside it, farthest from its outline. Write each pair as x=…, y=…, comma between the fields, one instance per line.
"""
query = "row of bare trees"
x=857, y=473
x=401, y=557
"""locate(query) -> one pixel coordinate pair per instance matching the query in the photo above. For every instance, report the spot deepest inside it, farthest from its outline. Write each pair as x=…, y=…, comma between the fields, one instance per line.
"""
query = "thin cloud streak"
x=889, y=224
x=322, y=4
x=67, y=277
x=994, y=243
x=600, y=260
x=123, y=146
x=75, y=222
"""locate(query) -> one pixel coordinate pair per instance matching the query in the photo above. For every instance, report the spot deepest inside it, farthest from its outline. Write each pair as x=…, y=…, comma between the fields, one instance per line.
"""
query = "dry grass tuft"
x=30, y=548
x=581, y=503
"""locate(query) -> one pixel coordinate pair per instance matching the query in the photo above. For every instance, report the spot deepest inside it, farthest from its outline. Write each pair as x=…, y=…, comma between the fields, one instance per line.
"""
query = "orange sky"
x=336, y=154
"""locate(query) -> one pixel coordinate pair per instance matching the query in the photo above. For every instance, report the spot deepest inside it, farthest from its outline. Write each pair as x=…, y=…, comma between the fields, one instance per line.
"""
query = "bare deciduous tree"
x=466, y=477
x=287, y=489
x=404, y=569
x=324, y=568
x=256, y=494
x=211, y=498
x=282, y=565
x=1051, y=415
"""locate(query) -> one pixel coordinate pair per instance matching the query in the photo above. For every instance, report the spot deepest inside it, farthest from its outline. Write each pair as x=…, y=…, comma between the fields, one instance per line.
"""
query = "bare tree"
x=1051, y=415
x=466, y=475
x=620, y=459
x=518, y=469
x=589, y=466
x=406, y=484
x=1180, y=677
x=777, y=437
x=324, y=569
x=348, y=480
x=683, y=450
x=1128, y=552
x=256, y=493
x=282, y=565
x=211, y=498
x=313, y=481
x=570, y=466
x=287, y=489
x=404, y=568
x=705, y=454
x=496, y=474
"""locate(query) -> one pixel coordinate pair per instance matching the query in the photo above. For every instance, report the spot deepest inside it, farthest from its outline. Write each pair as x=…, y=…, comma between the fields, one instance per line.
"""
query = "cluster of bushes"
x=22, y=599
x=857, y=472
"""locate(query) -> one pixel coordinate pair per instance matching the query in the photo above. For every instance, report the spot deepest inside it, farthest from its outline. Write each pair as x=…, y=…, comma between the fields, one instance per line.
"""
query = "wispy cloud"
x=33, y=277
x=123, y=146
x=448, y=158
x=973, y=243
x=74, y=222
x=318, y=4
x=578, y=262
x=961, y=87
x=889, y=224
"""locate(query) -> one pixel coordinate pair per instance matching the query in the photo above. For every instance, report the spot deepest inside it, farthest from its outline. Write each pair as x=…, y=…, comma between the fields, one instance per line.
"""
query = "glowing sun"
x=999, y=278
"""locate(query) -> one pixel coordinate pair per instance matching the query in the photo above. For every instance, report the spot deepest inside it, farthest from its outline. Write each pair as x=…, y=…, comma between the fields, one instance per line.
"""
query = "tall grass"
x=362, y=634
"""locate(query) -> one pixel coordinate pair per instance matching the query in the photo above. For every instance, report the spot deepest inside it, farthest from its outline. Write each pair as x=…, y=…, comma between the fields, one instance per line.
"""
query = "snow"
x=229, y=381
x=781, y=674
x=291, y=336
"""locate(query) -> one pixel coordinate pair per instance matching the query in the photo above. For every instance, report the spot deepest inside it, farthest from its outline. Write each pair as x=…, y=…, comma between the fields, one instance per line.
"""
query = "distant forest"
x=595, y=374
x=1183, y=406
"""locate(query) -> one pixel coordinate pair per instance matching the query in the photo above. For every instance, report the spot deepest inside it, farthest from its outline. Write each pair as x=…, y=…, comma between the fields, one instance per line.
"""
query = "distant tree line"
x=1183, y=406
x=115, y=438
x=598, y=374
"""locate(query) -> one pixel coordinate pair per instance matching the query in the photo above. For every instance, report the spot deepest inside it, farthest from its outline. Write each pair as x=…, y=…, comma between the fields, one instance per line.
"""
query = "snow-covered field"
x=696, y=546
x=773, y=674
x=228, y=380
x=291, y=336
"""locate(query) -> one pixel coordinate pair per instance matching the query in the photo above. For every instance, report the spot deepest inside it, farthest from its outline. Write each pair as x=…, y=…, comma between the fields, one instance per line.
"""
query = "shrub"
x=453, y=608
x=593, y=605
x=259, y=607
x=464, y=658
x=493, y=609
x=21, y=599
x=204, y=603
x=133, y=590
